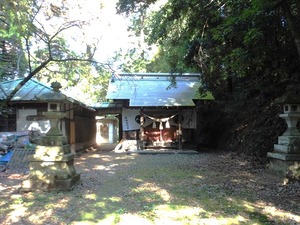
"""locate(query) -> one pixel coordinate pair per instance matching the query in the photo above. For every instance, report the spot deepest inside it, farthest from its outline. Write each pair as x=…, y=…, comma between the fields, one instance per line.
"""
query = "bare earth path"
x=156, y=189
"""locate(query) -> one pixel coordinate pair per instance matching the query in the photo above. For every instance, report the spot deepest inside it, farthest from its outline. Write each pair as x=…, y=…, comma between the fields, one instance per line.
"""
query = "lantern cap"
x=54, y=95
x=56, y=86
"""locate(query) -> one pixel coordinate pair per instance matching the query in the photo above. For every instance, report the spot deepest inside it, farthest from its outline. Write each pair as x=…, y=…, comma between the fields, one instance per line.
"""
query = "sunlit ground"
x=173, y=189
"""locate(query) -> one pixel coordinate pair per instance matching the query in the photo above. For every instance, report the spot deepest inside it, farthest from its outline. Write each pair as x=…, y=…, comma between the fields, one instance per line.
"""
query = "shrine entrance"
x=161, y=129
x=107, y=129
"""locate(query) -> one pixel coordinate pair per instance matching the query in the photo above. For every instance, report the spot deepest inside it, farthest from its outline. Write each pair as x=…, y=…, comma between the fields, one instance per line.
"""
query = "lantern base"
x=285, y=165
x=52, y=173
x=52, y=166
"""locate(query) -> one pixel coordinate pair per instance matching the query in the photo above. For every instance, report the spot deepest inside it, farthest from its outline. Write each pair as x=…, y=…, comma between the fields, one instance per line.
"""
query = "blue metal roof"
x=107, y=105
x=155, y=89
x=27, y=92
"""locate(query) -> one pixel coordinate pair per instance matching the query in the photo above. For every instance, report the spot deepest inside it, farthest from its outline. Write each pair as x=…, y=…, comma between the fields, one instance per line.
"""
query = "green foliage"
x=12, y=27
x=169, y=60
x=133, y=60
x=130, y=6
x=169, y=56
x=15, y=18
x=33, y=44
x=230, y=42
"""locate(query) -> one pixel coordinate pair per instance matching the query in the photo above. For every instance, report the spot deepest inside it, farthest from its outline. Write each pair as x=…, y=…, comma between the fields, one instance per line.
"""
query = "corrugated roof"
x=155, y=89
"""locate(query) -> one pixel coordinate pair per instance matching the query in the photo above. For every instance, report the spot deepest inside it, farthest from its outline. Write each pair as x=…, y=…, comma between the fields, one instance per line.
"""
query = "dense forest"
x=246, y=51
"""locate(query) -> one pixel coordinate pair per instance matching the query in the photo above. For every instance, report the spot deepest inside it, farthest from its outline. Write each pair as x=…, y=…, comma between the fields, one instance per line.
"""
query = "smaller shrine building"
x=26, y=114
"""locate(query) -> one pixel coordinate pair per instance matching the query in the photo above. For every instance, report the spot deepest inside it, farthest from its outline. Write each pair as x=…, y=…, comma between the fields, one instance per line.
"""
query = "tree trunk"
x=292, y=23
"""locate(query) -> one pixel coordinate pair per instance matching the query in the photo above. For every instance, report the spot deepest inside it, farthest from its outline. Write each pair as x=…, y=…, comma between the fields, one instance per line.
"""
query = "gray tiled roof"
x=155, y=89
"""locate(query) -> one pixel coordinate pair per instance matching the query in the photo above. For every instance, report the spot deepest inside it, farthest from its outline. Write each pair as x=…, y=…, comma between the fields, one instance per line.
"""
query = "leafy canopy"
x=36, y=37
x=228, y=41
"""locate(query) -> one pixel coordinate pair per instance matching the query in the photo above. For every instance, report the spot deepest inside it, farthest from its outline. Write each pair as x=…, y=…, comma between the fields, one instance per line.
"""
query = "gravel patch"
x=205, y=188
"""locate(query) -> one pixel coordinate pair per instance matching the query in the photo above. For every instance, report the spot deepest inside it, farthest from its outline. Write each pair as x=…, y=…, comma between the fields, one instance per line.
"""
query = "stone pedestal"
x=285, y=165
x=285, y=160
x=52, y=166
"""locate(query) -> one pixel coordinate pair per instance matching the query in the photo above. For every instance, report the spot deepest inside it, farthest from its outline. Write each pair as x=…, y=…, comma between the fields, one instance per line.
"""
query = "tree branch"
x=63, y=28
x=27, y=78
x=18, y=62
x=44, y=65
x=28, y=54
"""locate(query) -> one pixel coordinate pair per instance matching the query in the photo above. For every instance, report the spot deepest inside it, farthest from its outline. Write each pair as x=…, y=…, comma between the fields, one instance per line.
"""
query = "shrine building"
x=150, y=110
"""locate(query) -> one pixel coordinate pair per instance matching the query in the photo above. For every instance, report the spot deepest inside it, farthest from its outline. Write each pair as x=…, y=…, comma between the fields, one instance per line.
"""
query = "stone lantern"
x=285, y=159
x=52, y=165
x=54, y=114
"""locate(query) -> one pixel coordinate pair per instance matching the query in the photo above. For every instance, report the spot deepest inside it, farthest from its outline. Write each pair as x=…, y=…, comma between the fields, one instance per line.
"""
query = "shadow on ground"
x=158, y=189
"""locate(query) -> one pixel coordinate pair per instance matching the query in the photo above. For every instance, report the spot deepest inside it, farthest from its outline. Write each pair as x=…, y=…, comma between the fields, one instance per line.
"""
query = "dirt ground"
x=206, y=188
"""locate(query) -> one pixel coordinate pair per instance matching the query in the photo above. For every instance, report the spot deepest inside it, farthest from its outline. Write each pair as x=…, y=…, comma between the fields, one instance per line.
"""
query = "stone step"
x=161, y=151
x=286, y=148
x=285, y=140
x=284, y=157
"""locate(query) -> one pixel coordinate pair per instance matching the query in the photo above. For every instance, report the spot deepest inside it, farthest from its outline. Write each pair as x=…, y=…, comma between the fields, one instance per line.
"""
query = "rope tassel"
x=167, y=124
x=161, y=127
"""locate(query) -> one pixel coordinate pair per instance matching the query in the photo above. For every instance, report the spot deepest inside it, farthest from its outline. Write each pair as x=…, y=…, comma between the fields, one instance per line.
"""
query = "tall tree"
x=40, y=27
x=291, y=13
x=12, y=59
x=136, y=57
x=230, y=41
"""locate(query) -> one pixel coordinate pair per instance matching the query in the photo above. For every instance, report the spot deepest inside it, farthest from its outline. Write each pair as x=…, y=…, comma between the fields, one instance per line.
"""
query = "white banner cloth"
x=130, y=119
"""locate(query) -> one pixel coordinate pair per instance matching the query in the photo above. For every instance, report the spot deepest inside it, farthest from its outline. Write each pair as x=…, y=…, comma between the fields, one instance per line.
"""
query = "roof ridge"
x=20, y=79
x=160, y=74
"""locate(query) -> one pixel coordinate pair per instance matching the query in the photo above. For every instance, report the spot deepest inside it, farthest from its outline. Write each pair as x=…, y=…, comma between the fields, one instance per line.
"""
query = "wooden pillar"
x=73, y=136
x=121, y=133
x=179, y=133
x=142, y=133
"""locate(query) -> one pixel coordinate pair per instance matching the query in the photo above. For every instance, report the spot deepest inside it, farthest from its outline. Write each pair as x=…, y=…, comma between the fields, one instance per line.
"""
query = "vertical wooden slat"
x=180, y=130
x=72, y=132
x=142, y=134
